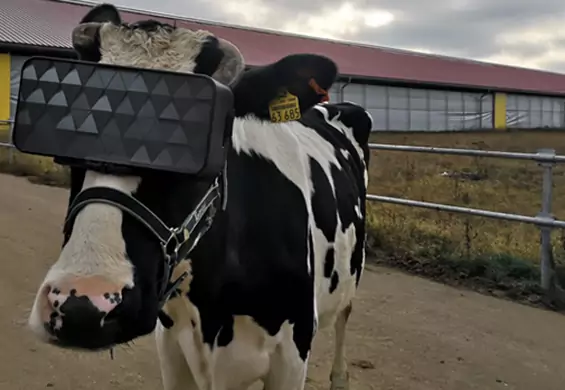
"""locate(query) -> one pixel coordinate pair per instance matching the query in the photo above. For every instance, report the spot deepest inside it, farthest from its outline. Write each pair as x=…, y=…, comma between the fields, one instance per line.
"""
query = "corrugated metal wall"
x=16, y=66
x=524, y=111
x=418, y=109
x=413, y=109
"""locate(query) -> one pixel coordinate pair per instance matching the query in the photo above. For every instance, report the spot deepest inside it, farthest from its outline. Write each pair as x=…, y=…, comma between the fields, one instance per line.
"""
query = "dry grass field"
x=457, y=246
x=36, y=168
x=497, y=254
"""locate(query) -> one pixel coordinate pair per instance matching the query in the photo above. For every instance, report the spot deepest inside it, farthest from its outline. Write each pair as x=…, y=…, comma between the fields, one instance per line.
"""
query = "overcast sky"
x=527, y=33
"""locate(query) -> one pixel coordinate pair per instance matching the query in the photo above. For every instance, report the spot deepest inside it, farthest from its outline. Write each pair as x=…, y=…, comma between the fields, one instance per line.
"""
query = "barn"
x=405, y=91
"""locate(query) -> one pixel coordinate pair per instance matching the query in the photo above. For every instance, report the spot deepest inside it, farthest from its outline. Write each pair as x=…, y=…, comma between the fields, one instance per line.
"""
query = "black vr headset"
x=107, y=116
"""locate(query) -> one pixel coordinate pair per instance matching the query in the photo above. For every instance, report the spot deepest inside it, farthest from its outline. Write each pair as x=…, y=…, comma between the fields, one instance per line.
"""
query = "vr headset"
x=106, y=116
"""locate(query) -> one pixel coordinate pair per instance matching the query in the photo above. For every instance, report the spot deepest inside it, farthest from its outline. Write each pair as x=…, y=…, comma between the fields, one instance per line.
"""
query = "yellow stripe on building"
x=500, y=110
x=4, y=91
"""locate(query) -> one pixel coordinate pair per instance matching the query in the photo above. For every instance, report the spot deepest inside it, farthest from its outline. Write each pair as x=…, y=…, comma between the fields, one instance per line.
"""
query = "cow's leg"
x=340, y=376
x=289, y=362
x=287, y=370
x=175, y=372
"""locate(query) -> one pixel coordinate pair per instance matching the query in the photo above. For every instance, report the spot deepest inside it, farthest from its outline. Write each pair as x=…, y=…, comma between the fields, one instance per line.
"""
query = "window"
x=335, y=93
x=525, y=111
x=418, y=99
x=419, y=109
x=438, y=120
x=354, y=93
x=398, y=98
x=455, y=102
x=380, y=118
x=16, y=66
x=438, y=100
x=376, y=96
x=419, y=120
x=398, y=119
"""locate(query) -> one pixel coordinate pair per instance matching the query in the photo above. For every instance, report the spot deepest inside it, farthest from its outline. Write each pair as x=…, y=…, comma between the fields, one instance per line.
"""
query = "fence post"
x=11, y=140
x=547, y=266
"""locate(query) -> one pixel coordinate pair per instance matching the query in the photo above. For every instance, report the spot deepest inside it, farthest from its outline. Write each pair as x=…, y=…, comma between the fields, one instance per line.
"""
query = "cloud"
x=515, y=32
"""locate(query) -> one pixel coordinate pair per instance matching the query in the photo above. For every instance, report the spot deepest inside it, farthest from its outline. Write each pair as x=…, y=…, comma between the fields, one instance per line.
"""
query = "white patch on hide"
x=330, y=305
x=347, y=131
x=250, y=356
x=253, y=354
x=289, y=146
x=95, y=248
x=96, y=245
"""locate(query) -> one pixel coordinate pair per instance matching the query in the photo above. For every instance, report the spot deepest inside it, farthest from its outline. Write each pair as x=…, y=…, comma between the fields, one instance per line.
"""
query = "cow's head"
x=103, y=288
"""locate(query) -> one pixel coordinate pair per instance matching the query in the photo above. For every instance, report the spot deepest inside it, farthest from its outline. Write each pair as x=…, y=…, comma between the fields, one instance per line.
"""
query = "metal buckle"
x=171, y=247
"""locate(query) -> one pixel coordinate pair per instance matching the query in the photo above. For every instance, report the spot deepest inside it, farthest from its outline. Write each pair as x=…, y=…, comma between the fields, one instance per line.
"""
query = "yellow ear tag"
x=284, y=108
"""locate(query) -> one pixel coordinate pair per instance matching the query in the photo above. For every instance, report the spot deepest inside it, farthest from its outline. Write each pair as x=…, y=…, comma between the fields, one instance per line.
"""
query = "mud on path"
x=405, y=332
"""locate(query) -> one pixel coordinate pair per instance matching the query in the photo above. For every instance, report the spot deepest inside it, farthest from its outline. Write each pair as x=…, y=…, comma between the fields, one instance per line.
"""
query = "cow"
x=284, y=248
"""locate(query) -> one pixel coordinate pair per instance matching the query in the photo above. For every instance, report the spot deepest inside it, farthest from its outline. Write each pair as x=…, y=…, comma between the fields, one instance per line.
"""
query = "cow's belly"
x=246, y=358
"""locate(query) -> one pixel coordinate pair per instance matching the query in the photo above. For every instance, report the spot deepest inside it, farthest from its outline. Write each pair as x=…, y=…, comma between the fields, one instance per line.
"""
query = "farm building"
x=405, y=91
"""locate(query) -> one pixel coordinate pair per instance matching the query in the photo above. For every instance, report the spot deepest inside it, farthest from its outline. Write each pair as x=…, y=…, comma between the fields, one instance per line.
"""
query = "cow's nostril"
x=74, y=309
x=80, y=312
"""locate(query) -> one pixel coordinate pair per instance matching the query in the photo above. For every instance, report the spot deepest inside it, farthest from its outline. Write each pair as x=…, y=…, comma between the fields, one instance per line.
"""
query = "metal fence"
x=9, y=143
x=546, y=159
x=7, y=122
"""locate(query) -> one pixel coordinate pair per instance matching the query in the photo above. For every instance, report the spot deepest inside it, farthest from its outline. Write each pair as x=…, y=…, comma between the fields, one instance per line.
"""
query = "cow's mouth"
x=93, y=339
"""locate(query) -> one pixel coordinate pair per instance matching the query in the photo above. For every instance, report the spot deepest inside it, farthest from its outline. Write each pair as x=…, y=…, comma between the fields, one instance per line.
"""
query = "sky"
x=527, y=33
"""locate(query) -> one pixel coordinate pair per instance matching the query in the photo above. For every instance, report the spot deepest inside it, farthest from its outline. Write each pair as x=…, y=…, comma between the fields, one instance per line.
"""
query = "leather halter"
x=176, y=242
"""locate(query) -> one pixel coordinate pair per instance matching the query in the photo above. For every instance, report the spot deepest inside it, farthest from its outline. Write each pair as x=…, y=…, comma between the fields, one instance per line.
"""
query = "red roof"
x=49, y=23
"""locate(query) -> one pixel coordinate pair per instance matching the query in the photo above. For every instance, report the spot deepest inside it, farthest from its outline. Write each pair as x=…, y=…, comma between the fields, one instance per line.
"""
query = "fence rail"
x=8, y=122
x=546, y=158
x=539, y=221
x=543, y=155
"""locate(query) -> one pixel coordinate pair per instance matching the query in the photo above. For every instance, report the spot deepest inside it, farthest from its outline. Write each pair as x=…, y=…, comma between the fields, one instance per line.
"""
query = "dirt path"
x=405, y=333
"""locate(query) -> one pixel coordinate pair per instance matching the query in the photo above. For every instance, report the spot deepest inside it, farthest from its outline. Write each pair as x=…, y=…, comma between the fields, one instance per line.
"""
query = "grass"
x=493, y=255
x=38, y=169
x=451, y=246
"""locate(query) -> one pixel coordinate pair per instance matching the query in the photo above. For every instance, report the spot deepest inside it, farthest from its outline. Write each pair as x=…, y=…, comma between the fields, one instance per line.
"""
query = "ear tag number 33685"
x=284, y=108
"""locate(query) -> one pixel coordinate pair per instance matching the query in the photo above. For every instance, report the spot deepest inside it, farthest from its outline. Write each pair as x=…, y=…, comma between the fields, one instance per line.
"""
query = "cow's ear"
x=85, y=36
x=306, y=76
x=231, y=65
x=103, y=13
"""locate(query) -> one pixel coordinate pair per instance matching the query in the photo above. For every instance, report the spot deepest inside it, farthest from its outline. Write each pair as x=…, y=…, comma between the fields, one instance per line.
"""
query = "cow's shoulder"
x=349, y=115
x=346, y=126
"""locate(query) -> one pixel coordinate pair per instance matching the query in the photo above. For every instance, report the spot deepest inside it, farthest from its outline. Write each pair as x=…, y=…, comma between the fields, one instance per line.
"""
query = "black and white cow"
x=283, y=256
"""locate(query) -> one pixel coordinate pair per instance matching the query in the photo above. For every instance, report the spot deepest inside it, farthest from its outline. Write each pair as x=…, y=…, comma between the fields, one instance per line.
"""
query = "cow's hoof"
x=339, y=382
